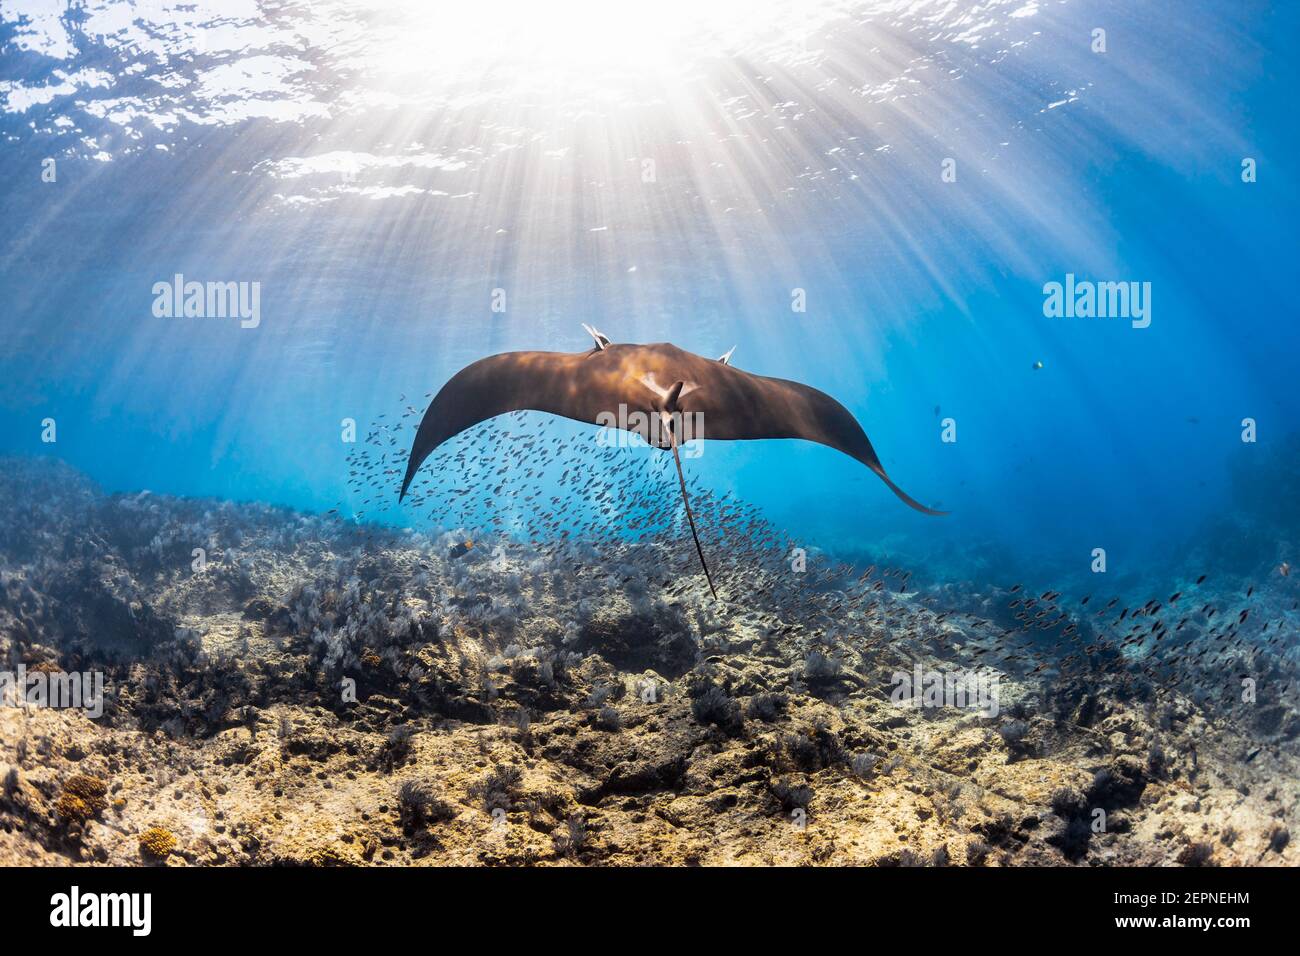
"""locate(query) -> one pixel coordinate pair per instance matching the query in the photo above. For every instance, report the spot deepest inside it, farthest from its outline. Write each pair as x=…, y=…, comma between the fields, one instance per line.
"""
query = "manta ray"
x=648, y=389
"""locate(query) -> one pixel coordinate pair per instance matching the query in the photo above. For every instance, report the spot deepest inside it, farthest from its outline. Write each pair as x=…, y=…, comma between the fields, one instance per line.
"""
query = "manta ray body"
x=634, y=386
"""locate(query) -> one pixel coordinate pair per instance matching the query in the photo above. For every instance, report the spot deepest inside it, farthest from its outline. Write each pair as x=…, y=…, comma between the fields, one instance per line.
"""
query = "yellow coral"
x=82, y=798
x=72, y=808
x=157, y=842
x=88, y=788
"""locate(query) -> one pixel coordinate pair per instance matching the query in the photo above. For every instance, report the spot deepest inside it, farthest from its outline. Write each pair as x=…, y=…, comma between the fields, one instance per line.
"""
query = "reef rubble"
x=285, y=688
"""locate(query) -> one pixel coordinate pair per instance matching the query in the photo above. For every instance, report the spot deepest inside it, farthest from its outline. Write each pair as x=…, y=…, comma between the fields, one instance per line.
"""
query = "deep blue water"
x=379, y=181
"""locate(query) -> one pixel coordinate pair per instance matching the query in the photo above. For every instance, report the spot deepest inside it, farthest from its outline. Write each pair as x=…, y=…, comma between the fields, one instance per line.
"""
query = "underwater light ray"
x=749, y=203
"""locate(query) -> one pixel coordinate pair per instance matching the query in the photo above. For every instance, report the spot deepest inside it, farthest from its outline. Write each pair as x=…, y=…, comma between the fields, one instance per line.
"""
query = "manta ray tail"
x=677, y=460
x=670, y=406
x=906, y=498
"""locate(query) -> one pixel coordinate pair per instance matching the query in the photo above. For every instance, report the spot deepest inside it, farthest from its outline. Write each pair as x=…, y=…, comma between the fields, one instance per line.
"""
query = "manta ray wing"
x=740, y=406
x=553, y=382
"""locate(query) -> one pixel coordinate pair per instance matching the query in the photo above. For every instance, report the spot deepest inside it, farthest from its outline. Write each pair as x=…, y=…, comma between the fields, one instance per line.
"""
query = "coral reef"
x=318, y=692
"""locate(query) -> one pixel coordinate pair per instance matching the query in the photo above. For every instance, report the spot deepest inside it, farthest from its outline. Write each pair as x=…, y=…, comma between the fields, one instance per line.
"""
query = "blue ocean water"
x=868, y=197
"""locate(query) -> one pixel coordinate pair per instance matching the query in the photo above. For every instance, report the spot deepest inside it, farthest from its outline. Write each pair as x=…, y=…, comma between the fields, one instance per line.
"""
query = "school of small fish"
x=611, y=515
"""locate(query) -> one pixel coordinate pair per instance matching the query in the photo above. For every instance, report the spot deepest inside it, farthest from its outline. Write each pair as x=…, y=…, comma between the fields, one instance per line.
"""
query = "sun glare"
x=583, y=42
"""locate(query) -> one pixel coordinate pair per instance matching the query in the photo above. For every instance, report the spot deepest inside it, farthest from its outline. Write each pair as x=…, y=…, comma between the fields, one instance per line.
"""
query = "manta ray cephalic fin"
x=602, y=340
